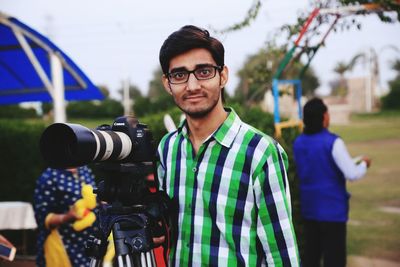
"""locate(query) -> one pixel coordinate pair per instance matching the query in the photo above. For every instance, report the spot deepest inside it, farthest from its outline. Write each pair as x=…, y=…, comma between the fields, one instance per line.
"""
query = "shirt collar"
x=226, y=132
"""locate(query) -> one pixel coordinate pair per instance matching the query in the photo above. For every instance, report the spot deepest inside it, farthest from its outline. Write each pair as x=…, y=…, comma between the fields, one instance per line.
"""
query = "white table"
x=16, y=216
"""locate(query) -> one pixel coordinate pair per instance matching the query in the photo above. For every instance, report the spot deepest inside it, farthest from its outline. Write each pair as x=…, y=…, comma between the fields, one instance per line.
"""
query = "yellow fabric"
x=110, y=254
x=85, y=222
x=83, y=208
x=54, y=251
x=47, y=220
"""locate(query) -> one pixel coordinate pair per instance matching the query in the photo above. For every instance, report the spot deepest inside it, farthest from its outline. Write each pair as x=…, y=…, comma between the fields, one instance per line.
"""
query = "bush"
x=21, y=163
x=392, y=100
x=92, y=109
x=17, y=112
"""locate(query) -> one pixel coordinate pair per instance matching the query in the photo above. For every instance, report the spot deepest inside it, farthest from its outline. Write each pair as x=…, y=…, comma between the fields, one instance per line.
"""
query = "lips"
x=193, y=97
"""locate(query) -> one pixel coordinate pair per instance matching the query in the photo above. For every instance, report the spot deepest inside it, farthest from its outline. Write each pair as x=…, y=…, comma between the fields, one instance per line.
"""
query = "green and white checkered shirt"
x=233, y=198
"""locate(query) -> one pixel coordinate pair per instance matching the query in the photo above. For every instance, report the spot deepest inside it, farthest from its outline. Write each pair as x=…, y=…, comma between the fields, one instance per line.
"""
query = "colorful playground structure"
x=320, y=19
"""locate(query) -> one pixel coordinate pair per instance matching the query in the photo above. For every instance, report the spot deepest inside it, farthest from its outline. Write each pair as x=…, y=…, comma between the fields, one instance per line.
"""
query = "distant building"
x=362, y=97
x=339, y=109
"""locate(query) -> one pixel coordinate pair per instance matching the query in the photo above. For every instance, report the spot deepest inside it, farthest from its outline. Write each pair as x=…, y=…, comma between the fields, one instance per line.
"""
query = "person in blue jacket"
x=323, y=165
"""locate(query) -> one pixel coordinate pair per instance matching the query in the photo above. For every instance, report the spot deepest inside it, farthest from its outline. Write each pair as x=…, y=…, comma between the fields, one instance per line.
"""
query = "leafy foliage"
x=251, y=15
x=21, y=162
x=339, y=86
x=157, y=100
x=392, y=100
x=258, y=70
x=386, y=5
x=15, y=111
x=108, y=108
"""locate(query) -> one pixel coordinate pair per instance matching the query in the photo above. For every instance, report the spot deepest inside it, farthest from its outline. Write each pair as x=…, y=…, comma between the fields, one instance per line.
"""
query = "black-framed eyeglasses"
x=205, y=72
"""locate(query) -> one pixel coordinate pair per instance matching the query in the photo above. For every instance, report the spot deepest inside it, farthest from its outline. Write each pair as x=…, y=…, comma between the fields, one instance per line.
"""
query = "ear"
x=326, y=119
x=166, y=84
x=224, y=77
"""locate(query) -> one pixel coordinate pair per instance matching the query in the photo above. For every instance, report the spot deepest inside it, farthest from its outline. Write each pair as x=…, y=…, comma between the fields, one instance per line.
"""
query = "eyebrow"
x=196, y=67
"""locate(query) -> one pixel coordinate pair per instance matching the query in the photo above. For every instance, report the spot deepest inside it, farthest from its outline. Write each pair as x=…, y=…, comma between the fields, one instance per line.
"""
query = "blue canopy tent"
x=32, y=68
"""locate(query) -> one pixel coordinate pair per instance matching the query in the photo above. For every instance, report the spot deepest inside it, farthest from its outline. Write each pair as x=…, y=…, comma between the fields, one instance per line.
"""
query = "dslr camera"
x=125, y=153
x=65, y=145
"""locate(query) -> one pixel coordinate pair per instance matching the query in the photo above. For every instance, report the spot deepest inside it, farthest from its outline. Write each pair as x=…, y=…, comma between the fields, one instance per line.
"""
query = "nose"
x=192, y=83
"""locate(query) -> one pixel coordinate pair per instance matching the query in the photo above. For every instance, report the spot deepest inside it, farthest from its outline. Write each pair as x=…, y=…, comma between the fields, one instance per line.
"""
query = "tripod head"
x=132, y=212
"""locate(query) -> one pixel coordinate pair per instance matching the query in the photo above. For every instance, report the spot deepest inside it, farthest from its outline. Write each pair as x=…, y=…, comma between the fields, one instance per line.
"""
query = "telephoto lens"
x=65, y=145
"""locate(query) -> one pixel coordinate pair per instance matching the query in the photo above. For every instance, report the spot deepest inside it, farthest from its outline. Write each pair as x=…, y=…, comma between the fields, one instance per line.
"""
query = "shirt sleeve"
x=274, y=223
x=345, y=162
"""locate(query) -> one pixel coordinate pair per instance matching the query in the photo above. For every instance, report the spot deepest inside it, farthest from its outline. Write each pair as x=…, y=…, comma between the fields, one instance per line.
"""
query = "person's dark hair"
x=313, y=115
x=187, y=38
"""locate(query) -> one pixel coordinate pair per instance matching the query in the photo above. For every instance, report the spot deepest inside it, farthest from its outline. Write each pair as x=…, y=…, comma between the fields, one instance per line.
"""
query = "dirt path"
x=358, y=261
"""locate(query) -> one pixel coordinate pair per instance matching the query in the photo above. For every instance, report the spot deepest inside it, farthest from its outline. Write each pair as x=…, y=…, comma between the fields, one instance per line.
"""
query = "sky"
x=119, y=40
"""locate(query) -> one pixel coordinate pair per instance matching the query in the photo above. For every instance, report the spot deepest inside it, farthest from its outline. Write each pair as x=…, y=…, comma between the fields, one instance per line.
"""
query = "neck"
x=201, y=128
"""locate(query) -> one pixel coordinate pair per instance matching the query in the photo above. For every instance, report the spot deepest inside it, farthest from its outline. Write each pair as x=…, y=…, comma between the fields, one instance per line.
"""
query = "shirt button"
x=194, y=169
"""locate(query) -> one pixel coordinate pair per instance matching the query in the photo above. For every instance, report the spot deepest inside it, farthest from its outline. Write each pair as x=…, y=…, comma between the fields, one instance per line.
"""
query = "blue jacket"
x=323, y=195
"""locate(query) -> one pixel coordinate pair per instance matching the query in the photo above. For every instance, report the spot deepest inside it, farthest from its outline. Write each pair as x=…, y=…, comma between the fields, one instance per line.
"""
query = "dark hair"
x=313, y=115
x=187, y=38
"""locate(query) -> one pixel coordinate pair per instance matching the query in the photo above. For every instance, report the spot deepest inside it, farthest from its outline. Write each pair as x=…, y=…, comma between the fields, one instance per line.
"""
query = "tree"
x=134, y=92
x=257, y=73
x=104, y=90
x=368, y=59
x=392, y=100
x=339, y=87
x=157, y=94
x=156, y=87
x=75, y=108
x=253, y=11
x=292, y=30
x=107, y=108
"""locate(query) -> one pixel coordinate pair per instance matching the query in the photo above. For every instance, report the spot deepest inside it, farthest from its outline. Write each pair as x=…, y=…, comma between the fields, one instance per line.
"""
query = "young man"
x=323, y=164
x=227, y=179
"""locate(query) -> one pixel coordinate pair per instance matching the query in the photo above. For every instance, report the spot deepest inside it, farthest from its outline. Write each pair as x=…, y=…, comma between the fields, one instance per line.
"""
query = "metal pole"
x=126, y=98
x=58, y=85
x=368, y=87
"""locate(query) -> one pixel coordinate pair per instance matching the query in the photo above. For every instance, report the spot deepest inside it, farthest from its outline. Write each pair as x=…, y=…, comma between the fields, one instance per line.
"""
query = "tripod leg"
x=94, y=263
x=153, y=258
x=128, y=260
x=150, y=258
x=143, y=259
x=120, y=261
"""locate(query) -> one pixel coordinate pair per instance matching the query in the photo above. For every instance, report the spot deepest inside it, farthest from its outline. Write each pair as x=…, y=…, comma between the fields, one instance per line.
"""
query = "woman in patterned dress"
x=58, y=244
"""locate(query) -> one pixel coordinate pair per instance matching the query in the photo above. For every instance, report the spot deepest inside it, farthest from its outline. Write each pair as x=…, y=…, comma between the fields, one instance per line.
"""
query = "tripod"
x=132, y=239
x=132, y=217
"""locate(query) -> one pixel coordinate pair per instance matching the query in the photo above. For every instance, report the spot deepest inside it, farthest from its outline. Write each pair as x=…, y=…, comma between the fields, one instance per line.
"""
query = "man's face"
x=196, y=98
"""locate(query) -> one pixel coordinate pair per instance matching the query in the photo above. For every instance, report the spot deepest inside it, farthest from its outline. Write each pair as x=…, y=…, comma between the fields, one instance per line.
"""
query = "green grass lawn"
x=373, y=232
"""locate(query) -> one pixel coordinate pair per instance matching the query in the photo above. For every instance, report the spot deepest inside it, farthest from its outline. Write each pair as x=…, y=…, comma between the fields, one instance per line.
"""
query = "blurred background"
x=348, y=56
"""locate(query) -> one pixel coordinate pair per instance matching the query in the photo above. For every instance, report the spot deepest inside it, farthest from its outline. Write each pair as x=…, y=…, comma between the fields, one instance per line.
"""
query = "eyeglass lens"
x=201, y=73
